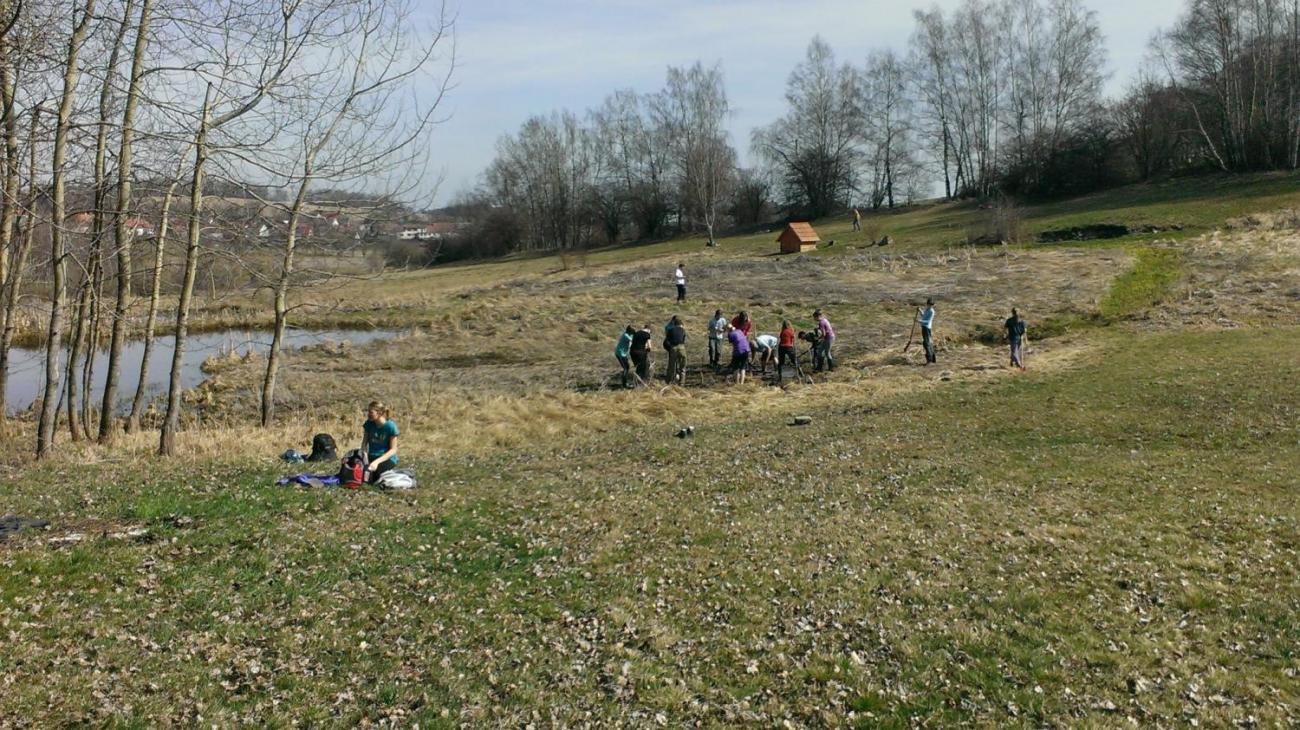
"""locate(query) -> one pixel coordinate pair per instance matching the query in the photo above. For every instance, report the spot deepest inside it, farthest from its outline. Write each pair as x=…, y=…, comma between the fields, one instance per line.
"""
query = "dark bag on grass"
x=323, y=448
x=353, y=471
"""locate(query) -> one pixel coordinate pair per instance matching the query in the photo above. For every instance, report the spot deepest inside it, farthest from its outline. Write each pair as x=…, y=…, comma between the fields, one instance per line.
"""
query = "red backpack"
x=353, y=471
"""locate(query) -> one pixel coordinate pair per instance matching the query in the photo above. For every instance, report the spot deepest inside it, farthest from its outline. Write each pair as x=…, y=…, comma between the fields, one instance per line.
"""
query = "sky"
x=519, y=58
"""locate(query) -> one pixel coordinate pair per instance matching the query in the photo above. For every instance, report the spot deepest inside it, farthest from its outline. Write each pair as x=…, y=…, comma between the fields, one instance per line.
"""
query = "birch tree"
x=355, y=126
x=71, y=60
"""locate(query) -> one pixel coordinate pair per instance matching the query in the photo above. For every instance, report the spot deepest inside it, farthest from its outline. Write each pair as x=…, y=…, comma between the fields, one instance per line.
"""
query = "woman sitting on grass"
x=379, y=442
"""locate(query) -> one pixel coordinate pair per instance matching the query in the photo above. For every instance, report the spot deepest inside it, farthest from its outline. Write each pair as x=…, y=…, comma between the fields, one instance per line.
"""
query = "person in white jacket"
x=679, y=276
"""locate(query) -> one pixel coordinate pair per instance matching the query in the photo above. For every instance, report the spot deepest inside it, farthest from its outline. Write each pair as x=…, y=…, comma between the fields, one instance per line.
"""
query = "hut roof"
x=804, y=231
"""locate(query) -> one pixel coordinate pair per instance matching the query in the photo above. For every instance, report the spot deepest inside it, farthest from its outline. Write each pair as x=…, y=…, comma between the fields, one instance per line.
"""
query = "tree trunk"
x=13, y=282
x=121, y=236
x=151, y=319
x=58, y=213
x=74, y=356
x=281, y=308
x=9, y=204
x=171, y=424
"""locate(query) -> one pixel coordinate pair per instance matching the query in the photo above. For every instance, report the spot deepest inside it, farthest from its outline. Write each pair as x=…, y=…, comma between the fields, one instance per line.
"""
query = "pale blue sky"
x=517, y=58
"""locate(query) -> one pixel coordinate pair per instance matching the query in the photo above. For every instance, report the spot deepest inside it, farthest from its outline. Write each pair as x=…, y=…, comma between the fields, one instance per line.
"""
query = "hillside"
x=1110, y=537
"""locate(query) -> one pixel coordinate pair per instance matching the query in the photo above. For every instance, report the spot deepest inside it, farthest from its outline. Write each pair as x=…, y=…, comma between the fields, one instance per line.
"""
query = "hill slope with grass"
x=1109, y=538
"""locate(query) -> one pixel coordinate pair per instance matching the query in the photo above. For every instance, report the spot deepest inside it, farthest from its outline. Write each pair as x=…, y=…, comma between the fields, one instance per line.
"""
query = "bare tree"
x=121, y=234
x=692, y=110
x=1236, y=65
x=234, y=87
x=815, y=147
x=12, y=283
x=58, y=186
x=887, y=127
x=354, y=128
x=151, y=316
x=932, y=64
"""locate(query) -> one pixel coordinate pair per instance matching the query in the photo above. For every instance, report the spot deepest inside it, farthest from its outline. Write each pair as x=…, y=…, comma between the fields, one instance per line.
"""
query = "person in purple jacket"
x=739, y=353
x=826, y=340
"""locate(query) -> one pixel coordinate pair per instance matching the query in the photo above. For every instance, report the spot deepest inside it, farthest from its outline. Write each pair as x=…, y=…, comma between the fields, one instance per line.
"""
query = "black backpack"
x=323, y=448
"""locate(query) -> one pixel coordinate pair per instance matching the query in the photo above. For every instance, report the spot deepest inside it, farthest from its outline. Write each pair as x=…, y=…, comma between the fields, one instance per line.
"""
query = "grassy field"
x=1110, y=538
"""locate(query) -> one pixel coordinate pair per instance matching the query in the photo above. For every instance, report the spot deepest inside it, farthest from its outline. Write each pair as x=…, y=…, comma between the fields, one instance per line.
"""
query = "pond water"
x=27, y=367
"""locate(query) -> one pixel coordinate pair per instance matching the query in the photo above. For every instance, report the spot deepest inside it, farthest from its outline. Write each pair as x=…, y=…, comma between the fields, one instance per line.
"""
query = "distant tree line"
x=998, y=97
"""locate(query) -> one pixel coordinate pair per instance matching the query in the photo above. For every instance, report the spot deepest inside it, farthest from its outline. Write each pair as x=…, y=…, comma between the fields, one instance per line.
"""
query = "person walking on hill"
x=743, y=323
x=825, y=341
x=925, y=317
x=1015, y=337
x=679, y=277
x=641, y=353
x=785, y=350
x=739, y=353
x=857, y=220
x=379, y=441
x=675, y=344
x=717, y=335
x=623, y=353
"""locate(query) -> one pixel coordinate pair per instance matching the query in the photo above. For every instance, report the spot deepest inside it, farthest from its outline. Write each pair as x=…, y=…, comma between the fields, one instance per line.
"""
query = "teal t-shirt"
x=379, y=439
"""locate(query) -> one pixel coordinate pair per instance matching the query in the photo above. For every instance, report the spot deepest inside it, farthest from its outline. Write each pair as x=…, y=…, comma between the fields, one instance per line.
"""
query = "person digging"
x=739, y=353
x=675, y=344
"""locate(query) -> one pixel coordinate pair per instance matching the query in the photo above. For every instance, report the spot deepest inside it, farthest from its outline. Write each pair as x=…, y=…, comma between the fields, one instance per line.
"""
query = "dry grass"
x=1107, y=539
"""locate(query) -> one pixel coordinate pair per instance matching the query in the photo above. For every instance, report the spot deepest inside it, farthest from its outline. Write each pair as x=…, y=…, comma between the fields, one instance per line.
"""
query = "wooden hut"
x=798, y=237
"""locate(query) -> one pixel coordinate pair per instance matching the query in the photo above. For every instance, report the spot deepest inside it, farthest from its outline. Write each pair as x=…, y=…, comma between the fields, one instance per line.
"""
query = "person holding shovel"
x=1015, y=337
x=623, y=353
x=925, y=317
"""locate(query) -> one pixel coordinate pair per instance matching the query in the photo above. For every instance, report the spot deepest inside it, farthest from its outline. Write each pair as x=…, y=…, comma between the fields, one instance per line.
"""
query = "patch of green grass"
x=1154, y=273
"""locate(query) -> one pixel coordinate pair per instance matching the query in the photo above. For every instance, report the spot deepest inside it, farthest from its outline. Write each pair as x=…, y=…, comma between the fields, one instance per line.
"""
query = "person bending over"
x=765, y=351
x=379, y=441
x=641, y=353
x=739, y=353
x=623, y=353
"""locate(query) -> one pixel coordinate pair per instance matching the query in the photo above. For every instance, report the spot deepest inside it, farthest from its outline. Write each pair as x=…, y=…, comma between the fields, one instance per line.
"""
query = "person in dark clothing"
x=675, y=344
x=641, y=354
x=1015, y=337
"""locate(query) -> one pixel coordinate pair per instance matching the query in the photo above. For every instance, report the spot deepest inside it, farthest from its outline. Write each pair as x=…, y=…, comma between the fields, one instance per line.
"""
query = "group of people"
x=751, y=351
x=748, y=350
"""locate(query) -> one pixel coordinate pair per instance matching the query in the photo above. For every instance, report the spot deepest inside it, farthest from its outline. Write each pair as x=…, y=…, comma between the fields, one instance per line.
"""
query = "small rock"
x=1138, y=685
x=71, y=538
x=801, y=421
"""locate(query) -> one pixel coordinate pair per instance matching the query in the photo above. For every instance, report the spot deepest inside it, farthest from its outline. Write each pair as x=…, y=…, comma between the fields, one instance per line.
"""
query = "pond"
x=27, y=367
